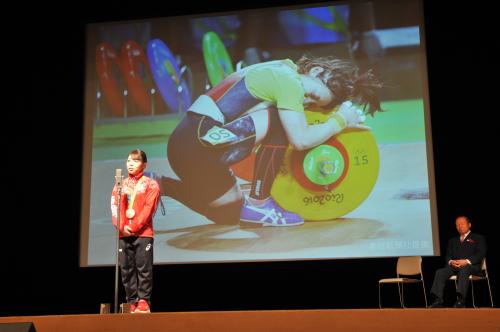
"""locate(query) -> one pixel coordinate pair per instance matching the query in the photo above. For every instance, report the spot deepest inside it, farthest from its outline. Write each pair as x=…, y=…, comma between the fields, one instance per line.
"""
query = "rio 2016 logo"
x=323, y=199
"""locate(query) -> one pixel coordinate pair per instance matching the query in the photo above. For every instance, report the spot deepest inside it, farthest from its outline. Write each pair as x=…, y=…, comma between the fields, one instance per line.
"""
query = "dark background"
x=42, y=143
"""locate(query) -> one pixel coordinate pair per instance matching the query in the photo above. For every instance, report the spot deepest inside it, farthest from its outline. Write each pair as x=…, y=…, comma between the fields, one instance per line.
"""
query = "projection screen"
x=365, y=192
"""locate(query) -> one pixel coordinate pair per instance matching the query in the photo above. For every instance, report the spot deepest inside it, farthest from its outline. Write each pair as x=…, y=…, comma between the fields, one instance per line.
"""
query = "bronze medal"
x=130, y=213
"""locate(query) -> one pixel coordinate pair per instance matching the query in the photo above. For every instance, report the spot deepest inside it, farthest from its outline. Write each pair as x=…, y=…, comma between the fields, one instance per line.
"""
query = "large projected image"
x=278, y=134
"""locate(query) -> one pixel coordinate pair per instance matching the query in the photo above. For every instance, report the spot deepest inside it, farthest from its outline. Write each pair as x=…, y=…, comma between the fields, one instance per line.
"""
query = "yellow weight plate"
x=320, y=204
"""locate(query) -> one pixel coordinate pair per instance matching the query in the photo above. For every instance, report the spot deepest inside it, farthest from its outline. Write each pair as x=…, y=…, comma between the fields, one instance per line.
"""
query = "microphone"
x=118, y=177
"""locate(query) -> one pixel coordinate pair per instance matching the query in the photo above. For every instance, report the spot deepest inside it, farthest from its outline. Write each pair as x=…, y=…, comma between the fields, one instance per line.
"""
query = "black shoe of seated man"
x=459, y=303
x=438, y=303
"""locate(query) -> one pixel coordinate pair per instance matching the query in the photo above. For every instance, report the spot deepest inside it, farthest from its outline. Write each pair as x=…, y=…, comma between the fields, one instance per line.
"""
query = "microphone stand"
x=117, y=265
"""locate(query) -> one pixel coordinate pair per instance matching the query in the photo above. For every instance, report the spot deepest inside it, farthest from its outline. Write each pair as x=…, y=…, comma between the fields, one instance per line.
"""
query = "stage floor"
x=373, y=320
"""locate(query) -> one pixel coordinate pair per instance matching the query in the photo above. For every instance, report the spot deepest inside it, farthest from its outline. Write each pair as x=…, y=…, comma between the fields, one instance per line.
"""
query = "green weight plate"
x=217, y=60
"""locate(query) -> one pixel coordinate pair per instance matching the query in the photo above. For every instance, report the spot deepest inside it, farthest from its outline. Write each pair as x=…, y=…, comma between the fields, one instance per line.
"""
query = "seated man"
x=464, y=255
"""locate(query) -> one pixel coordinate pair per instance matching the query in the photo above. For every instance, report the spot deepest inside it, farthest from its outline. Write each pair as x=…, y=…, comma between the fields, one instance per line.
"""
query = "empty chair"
x=473, y=278
x=406, y=266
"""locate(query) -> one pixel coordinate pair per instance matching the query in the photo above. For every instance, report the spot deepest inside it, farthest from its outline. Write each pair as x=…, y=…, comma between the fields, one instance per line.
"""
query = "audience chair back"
x=406, y=266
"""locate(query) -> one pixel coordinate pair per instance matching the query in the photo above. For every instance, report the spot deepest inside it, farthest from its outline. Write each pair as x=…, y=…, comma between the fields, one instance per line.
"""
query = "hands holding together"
x=458, y=263
x=353, y=116
x=127, y=230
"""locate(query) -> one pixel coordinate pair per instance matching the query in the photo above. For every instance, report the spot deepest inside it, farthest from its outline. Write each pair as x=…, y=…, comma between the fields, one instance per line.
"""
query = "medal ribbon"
x=132, y=199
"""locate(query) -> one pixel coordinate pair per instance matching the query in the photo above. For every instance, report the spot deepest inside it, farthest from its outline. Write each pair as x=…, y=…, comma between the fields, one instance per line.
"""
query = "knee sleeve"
x=267, y=166
x=269, y=158
x=175, y=189
x=276, y=134
x=228, y=214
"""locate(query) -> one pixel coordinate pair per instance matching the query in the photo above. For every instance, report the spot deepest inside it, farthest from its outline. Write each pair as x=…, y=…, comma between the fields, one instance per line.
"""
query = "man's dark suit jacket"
x=473, y=248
